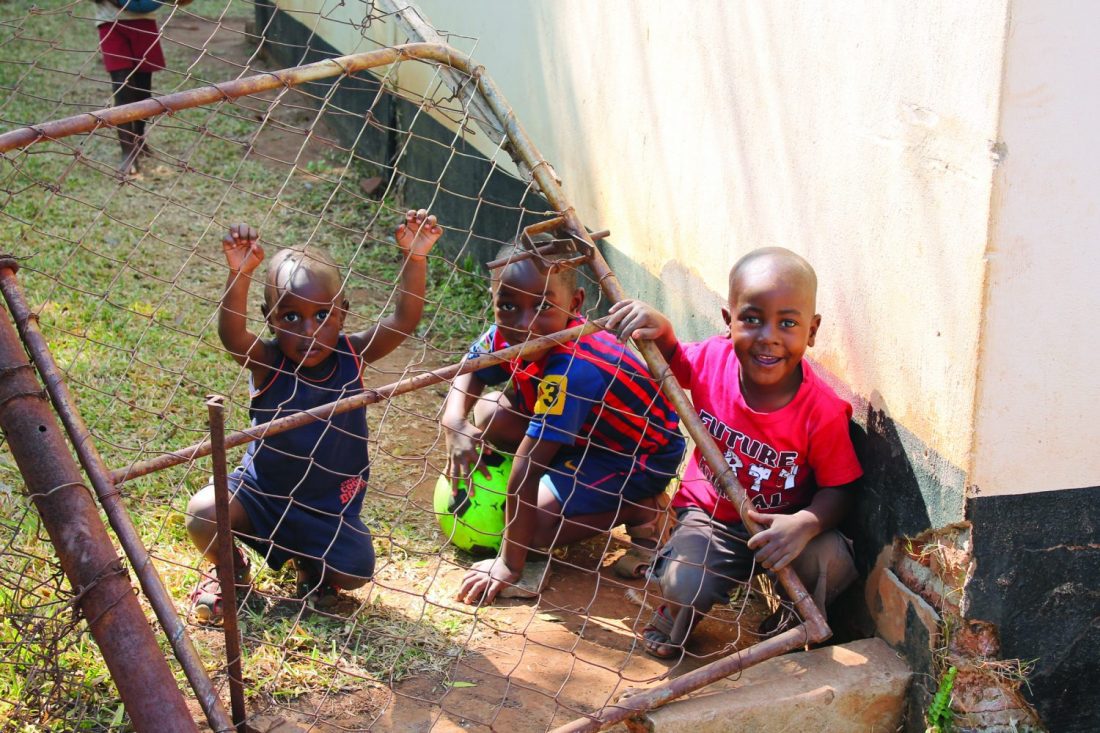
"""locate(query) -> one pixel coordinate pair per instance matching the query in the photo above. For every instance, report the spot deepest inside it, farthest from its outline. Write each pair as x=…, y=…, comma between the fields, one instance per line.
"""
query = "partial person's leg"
x=648, y=526
x=826, y=567
x=127, y=135
x=141, y=85
x=703, y=560
x=555, y=530
x=202, y=523
x=317, y=583
x=586, y=493
x=330, y=554
x=503, y=426
x=206, y=599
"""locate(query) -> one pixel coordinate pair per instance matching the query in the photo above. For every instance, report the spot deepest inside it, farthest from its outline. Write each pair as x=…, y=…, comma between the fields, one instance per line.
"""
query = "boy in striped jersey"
x=595, y=441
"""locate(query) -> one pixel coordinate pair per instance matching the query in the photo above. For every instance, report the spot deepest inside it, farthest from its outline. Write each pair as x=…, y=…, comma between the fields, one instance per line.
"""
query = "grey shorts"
x=705, y=559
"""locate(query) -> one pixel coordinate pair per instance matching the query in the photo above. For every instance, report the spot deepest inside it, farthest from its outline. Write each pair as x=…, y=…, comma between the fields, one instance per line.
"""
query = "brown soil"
x=525, y=665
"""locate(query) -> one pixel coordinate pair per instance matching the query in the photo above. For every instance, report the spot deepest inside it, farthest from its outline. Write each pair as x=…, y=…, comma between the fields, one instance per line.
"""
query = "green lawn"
x=125, y=279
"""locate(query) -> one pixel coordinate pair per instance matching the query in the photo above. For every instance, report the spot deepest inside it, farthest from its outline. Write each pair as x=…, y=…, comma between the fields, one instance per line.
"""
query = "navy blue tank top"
x=322, y=465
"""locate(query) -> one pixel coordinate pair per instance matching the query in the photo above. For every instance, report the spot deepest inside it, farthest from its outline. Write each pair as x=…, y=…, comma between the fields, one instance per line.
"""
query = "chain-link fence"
x=118, y=233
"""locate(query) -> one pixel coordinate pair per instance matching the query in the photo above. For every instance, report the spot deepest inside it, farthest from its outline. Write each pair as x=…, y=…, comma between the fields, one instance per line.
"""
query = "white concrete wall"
x=865, y=135
x=859, y=134
x=1039, y=400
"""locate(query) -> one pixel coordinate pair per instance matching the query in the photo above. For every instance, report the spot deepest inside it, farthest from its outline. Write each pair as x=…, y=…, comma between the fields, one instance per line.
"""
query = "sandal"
x=657, y=636
x=664, y=636
x=207, y=605
x=635, y=563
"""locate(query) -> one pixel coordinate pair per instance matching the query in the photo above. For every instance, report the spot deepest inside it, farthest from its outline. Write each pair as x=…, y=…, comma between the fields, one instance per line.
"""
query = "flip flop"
x=656, y=636
x=635, y=563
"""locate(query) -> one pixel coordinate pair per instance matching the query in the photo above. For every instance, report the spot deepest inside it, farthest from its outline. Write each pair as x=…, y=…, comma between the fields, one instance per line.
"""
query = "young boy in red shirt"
x=784, y=433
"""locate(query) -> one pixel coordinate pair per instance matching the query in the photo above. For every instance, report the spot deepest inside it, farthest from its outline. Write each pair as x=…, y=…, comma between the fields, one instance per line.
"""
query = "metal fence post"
x=103, y=592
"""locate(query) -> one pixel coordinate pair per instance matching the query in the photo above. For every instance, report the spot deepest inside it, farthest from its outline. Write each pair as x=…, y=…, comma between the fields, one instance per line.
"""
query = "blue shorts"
x=598, y=481
x=283, y=529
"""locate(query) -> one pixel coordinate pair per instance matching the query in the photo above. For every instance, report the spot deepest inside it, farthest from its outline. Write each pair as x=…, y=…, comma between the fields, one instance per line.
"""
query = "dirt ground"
x=527, y=666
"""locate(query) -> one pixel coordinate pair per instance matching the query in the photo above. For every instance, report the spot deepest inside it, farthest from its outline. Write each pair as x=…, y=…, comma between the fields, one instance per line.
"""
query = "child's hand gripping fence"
x=125, y=278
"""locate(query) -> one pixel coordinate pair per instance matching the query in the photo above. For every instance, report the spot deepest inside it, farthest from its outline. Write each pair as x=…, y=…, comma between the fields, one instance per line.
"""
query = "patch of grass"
x=125, y=280
x=52, y=678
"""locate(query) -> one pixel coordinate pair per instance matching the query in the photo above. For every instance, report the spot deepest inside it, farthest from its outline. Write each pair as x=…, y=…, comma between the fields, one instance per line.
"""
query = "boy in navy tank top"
x=298, y=495
x=595, y=441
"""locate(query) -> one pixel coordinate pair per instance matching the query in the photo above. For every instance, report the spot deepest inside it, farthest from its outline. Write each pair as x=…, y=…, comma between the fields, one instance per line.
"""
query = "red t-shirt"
x=779, y=457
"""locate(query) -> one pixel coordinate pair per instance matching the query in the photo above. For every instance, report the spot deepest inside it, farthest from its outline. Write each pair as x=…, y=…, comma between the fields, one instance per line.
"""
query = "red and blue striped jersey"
x=592, y=393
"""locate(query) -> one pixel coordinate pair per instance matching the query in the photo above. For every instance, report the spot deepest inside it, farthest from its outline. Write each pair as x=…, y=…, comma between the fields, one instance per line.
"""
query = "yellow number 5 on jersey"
x=551, y=399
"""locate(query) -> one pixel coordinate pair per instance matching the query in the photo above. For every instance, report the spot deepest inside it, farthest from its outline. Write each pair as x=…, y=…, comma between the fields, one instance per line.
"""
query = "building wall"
x=861, y=135
x=1034, y=488
x=1036, y=419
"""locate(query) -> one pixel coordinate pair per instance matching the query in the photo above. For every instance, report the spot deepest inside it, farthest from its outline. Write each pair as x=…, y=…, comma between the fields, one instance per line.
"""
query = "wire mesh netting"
x=122, y=261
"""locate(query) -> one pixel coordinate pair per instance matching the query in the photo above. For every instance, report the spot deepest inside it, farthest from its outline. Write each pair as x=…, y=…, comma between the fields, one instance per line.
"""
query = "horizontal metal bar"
x=369, y=397
x=234, y=89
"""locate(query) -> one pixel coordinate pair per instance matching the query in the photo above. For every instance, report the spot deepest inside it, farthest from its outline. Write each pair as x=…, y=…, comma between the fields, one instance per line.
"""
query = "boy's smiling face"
x=528, y=303
x=772, y=323
x=308, y=312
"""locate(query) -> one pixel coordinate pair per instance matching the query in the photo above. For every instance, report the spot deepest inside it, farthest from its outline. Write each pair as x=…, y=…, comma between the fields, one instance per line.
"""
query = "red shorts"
x=129, y=44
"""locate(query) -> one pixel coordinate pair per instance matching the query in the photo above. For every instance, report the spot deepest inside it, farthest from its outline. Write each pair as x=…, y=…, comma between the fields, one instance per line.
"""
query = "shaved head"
x=292, y=269
x=774, y=262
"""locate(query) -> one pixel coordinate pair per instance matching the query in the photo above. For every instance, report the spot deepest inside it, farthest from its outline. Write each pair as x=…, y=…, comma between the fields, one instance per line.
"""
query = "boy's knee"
x=487, y=406
x=826, y=567
x=200, y=511
x=501, y=424
x=686, y=584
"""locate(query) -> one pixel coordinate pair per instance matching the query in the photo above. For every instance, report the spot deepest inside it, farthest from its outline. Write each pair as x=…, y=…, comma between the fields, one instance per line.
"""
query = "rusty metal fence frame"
x=500, y=123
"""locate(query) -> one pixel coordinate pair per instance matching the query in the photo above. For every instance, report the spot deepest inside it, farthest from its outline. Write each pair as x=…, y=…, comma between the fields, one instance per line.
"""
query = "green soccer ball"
x=475, y=523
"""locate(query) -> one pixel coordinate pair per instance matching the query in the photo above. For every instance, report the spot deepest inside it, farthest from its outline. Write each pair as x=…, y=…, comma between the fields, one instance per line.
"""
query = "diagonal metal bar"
x=654, y=697
x=104, y=595
x=110, y=499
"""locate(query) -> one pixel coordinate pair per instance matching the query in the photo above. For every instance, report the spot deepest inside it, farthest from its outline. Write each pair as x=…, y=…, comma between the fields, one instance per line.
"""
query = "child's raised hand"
x=242, y=249
x=635, y=319
x=417, y=234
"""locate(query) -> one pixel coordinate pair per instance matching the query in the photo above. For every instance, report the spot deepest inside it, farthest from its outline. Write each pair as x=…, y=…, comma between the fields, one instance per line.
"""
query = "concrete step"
x=859, y=686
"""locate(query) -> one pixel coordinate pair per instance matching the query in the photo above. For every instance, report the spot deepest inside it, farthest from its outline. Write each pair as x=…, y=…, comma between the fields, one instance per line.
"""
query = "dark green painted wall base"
x=1037, y=557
